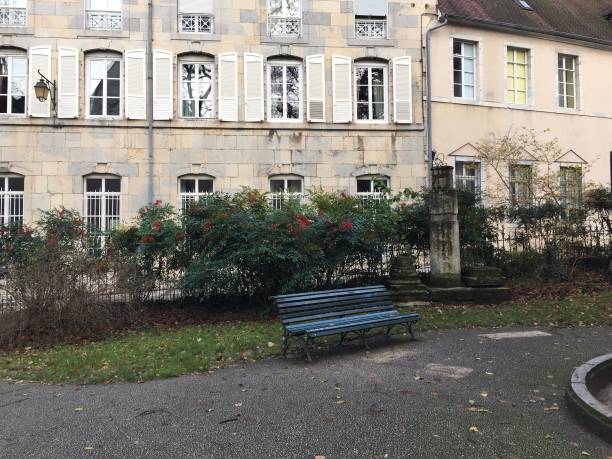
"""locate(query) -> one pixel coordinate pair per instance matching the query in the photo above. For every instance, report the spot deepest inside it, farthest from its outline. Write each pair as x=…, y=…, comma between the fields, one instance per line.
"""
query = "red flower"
x=206, y=227
x=344, y=196
x=82, y=232
x=27, y=231
x=274, y=226
x=346, y=225
x=147, y=239
x=302, y=221
x=156, y=226
x=157, y=202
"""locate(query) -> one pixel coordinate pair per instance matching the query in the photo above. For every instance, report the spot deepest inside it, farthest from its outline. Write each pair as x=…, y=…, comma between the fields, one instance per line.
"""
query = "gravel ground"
x=450, y=394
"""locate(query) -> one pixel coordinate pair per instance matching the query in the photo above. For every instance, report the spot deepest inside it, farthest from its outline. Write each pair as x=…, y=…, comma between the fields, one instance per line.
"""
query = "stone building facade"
x=272, y=94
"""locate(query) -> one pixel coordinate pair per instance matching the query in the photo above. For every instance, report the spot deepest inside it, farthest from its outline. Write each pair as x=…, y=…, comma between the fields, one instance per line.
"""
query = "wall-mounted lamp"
x=44, y=88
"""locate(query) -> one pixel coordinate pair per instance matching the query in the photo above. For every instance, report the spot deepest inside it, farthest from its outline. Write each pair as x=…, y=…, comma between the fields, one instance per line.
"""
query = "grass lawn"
x=161, y=352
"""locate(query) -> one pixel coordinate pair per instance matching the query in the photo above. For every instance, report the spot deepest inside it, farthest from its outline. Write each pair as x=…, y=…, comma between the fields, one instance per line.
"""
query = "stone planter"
x=482, y=276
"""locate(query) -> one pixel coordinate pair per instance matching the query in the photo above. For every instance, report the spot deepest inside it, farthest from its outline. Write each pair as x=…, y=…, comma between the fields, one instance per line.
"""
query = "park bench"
x=306, y=316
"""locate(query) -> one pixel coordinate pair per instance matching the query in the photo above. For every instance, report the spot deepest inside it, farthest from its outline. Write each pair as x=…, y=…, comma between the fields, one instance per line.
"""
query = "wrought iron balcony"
x=12, y=17
x=196, y=23
x=284, y=27
x=104, y=20
x=370, y=28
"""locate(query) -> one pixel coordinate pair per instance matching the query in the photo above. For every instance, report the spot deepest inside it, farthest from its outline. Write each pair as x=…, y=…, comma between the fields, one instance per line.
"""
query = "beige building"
x=280, y=95
x=499, y=65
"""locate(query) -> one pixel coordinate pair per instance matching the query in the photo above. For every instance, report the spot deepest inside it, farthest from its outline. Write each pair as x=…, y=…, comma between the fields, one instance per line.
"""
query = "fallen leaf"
x=471, y=402
x=339, y=402
x=484, y=394
x=271, y=344
x=548, y=437
x=474, y=429
x=78, y=409
x=584, y=453
x=89, y=449
x=319, y=457
x=475, y=409
x=488, y=373
x=238, y=405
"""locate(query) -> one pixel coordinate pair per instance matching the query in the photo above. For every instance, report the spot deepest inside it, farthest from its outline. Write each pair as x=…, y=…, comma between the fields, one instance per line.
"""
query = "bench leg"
x=410, y=331
x=363, y=339
x=307, y=345
x=285, y=344
x=342, y=336
x=389, y=328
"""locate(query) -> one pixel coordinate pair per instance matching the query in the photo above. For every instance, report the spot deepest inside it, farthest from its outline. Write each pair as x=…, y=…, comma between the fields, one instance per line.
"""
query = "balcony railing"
x=196, y=23
x=284, y=27
x=370, y=28
x=12, y=17
x=277, y=200
x=104, y=20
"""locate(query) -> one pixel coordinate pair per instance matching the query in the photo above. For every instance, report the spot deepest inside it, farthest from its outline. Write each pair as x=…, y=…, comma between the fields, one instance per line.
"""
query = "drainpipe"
x=443, y=21
x=150, y=102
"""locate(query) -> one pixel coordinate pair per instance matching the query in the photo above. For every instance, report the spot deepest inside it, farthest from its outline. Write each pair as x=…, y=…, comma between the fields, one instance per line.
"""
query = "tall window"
x=196, y=16
x=104, y=14
x=521, y=178
x=284, y=18
x=464, y=66
x=102, y=204
x=104, y=87
x=191, y=189
x=197, y=96
x=13, y=13
x=285, y=86
x=570, y=181
x=468, y=175
x=11, y=200
x=517, y=72
x=371, y=89
x=370, y=19
x=285, y=188
x=372, y=188
x=13, y=76
x=567, y=81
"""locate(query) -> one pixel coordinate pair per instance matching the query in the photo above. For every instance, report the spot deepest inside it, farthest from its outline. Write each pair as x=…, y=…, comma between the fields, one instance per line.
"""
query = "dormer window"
x=196, y=16
x=13, y=13
x=104, y=14
x=284, y=18
x=371, y=19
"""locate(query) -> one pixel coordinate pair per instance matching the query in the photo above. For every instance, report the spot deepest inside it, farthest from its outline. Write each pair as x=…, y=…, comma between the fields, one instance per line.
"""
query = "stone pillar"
x=444, y=230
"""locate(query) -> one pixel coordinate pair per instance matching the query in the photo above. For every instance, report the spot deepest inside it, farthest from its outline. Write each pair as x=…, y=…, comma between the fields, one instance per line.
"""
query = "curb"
x=587, y=409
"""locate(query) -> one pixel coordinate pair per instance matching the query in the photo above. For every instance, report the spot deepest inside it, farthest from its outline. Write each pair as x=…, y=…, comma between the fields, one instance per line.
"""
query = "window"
x=521, y=176
x=285, y=87
x=197, y=97
x=284, y=18
x=104, y=14
x=196, y=16
x=567, y=81
x=191, y=189
x=104, y=87
x=13, y=13
x=11, y=200
x=467, y=175
x=371, y=89
x=517, y=70
x=464, y=65
x=372, y=188
x=570, y=184
x=13, y=76
x=370, y=19
x=284, y=188
x=102, y=205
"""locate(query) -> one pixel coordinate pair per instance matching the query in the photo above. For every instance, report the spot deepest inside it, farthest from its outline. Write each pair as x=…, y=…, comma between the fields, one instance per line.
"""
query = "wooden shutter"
x=162, y=85
x=253, y=87
x=343, y=89
x=135, y=85
x=40, y=59
x=228, y=87
x=68, y=83
x=402, y=89
x=315, y=88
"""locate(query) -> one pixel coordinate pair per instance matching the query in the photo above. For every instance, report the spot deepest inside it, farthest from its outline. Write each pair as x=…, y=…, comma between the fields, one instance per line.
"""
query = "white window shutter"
x=315, y=88
x=402, y=89
x=135, y=85
x=228, y=87
x=343, y=89
x=162, y=85
x=40, y=59
x=68, y=83
x=253, y=87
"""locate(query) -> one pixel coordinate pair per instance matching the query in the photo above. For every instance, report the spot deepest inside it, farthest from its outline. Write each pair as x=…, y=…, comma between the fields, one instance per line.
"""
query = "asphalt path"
x=450, y=394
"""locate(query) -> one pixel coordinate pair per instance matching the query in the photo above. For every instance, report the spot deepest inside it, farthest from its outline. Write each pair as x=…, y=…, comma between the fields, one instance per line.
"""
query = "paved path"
x=399, y=400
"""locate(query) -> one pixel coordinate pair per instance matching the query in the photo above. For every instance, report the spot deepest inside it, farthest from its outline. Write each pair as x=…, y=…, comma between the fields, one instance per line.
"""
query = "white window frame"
x=370, y=25
x=195, y=16
x=519, y=164
x=562, y=197
x=285, y=64
x=284, y=16
x=213, y=91
x=562, y=81
x=187, y=197
x=104, y=197
x=88, y=87
x=276, y=199
x=479, y=182
x=372, y=195
x=465, y=58
x=10, y=75
x=528, y=57
x=8, y=199
x=106, y=15
x=370, y=66
x=16, y=16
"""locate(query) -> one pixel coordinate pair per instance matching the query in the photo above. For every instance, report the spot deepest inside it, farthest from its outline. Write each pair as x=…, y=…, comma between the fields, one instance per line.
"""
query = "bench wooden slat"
x=338, y=321
x=403, y=318
x=332, y=300
x=347, y=312
x=313, y=308
x=324, y=293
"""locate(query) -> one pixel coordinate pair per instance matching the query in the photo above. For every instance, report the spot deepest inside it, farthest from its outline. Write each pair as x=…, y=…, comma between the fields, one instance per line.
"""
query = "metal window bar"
x=284, y=26
x=277, y=200
x=370, y=28
x=186, y=199
x=104, y=20
x=196, y=23
x=11, y=207
x=102, y=213
x=12, y=17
